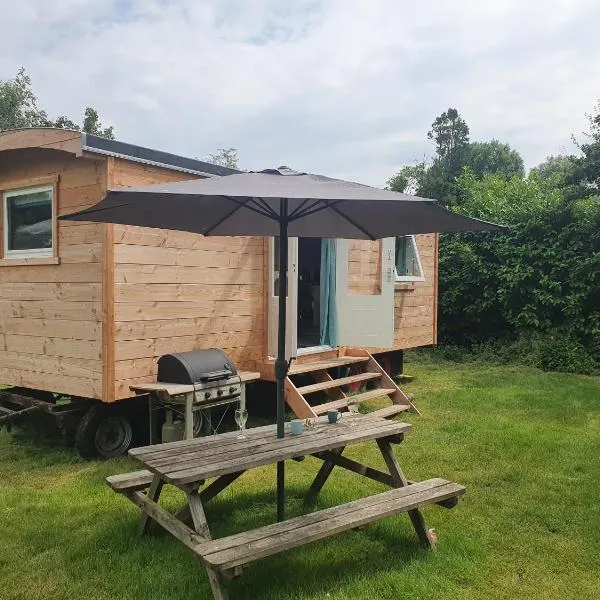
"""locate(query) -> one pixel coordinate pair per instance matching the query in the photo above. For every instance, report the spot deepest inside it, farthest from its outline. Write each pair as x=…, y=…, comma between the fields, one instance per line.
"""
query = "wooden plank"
x=137, y=480
x=87, y=387
x=164, y=238
x=73, y=292
x=356, y=467
x=229, y=450
x=148, y=311
x=166, y=520
x=51, y=346
x=259, y=439
x=52, y=328
x=132, y=292
x=56, y=139
x=334, y=393
x=74, y=197
x=299, y=368
x=81, y=253
x=303, y=530
x=297, y=402
x=281, y=451
x=150, y=348
x=389, y=411
x=78, y=232
x=51, y=310
x=191, y=328
x=69, y=367
x=108, y=315
x=173, y=389
x=397, y=395
x=400, y=481
x=66, y=273
x=250, y=258
x=435, y=283
x=126, y=273
x=315, y=518
x=153, y=495
x=322, y=476
x=321, y=409
x=333, y=383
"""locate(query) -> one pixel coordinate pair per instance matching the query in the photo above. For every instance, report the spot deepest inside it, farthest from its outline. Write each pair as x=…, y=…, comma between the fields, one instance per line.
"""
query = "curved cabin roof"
x=78, y=143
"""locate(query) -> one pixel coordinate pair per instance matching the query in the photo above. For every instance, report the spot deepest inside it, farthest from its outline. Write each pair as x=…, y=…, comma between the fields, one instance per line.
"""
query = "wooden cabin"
x=86, y=309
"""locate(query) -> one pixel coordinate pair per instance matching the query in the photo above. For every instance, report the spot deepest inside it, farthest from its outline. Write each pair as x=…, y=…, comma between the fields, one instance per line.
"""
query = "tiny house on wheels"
x=87, y=310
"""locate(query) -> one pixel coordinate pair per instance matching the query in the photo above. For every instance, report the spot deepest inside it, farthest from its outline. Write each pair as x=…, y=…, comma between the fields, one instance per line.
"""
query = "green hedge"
x=542, y=277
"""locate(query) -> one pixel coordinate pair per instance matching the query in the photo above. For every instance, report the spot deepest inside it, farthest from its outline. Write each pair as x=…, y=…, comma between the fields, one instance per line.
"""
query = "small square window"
x=28, y=223
x=408, y=262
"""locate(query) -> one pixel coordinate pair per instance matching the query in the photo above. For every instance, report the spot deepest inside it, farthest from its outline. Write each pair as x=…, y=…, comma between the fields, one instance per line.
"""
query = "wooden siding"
x=50, y=314
x=415, y=304
x=177, y=291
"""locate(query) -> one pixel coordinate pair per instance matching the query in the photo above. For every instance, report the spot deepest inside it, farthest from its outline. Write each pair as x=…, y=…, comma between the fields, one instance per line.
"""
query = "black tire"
x=104, y=431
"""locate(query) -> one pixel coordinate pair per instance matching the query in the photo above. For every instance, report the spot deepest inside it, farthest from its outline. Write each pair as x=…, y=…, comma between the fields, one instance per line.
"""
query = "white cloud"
x=343, y=87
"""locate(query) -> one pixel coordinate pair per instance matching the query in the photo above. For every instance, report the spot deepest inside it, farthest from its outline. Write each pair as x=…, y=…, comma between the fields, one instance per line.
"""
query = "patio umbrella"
x=278, y=202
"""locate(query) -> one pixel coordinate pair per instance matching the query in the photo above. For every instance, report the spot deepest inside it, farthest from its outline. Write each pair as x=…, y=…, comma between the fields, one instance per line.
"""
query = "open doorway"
x=309, y=292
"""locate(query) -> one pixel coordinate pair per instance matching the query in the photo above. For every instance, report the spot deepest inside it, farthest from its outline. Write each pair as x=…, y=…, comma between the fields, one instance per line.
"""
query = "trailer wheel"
x=103, y=431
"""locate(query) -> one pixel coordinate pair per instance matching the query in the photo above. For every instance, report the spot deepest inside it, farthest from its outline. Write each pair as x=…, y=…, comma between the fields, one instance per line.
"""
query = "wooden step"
x=321, y=409
x=326, y=385
x=370, y=395
x=389, y=411
x=323, y=365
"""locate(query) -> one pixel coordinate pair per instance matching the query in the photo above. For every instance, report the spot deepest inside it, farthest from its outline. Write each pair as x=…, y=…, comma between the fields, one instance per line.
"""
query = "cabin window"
x=28, y=223
x=408, y=262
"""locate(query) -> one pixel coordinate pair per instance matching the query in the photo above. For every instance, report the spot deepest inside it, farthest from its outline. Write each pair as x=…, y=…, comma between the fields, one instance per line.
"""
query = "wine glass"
x=241, y=416
x=352, y=409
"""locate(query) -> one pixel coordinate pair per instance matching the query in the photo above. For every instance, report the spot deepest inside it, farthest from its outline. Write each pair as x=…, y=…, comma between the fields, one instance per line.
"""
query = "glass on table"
x=352, y=410
x=241, y=416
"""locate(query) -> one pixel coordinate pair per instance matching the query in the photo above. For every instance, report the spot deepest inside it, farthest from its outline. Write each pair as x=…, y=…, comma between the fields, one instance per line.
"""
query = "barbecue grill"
x=210, y=371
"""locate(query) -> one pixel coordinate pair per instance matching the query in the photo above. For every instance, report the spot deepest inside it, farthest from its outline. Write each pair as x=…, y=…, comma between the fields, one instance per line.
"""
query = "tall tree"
x=558, y=168
x=494, y=158
x=91, y=124
x=18, y=104
x=450, y=134
x=225, y=157
x=585, y=178
x=19, y=108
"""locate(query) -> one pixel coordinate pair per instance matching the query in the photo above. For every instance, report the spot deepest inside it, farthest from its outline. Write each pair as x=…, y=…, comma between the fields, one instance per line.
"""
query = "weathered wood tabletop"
x=189, y=461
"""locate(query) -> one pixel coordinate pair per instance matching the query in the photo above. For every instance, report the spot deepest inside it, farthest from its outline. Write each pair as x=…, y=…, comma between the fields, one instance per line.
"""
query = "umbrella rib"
x=239, y=203
x=298, y=208
x=264, y=204
x=352, y=221
x=309, y=210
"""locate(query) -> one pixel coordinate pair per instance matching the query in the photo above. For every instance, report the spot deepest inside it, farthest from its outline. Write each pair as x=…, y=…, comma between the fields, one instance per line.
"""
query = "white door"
x=292, y=297
x=366, y=321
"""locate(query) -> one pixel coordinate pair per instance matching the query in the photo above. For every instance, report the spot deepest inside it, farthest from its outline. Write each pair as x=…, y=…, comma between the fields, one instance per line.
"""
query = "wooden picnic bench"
x=188, y=464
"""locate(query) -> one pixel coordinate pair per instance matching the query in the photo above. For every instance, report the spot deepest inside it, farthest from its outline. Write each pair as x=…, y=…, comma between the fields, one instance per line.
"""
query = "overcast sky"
x=346, y=88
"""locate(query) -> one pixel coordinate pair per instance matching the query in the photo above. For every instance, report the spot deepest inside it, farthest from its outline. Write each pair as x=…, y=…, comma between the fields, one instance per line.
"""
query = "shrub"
x=541, y=276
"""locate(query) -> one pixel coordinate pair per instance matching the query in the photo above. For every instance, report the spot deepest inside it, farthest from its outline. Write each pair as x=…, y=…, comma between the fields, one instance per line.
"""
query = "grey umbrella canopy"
x=278, y=202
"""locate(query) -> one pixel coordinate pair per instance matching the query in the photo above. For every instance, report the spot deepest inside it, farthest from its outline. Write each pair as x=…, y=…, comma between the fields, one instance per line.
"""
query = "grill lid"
x=197, y=366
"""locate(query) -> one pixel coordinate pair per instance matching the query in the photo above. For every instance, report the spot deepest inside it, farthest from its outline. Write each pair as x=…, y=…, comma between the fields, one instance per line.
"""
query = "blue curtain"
x=329, y=325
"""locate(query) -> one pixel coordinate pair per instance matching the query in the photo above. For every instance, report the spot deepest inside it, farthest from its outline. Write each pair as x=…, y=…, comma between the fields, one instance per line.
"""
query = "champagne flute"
x=241, y=416
x=352, y=409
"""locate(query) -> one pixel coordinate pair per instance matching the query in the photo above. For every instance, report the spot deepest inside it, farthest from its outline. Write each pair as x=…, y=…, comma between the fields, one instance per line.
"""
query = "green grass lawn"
x=525, y=443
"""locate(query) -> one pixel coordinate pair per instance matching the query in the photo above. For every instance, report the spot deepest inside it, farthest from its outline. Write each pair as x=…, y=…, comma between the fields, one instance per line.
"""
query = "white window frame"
x=33, y=252
x=409, y=278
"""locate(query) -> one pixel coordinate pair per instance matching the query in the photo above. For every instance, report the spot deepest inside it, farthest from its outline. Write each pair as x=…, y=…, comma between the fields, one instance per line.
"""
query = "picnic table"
x=189, y=464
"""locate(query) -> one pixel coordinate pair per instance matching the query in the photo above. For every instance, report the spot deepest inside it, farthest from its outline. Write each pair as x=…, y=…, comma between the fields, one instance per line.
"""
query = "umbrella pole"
x=281, y=365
